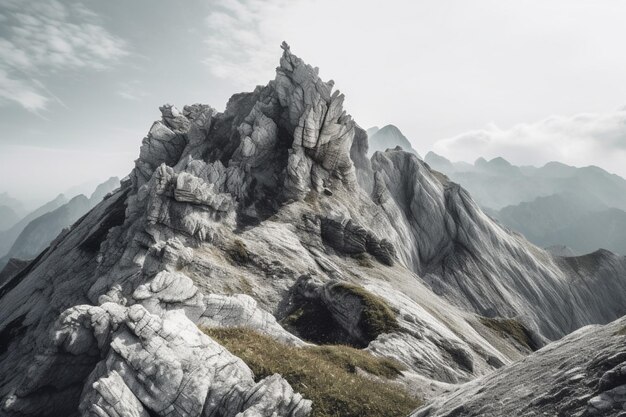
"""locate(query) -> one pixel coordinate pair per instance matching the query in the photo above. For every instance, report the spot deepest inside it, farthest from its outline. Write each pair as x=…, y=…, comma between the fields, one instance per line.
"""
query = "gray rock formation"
x=240, y=219
x=12, y=267
x=583, y=374
x=475, y=263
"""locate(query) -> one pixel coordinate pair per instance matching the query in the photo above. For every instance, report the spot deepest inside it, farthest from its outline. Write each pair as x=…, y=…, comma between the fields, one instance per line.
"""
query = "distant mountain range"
x=388, y=137
x=28, y=237
x=568, y=219
x=497, y=183
x=571, y=210
x=11, y=210
x=581, y=208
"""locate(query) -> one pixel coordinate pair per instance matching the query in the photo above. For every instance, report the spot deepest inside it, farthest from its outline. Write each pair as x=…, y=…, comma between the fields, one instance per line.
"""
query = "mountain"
x=604, y=229
x=12, y=203
x=371, y=131
x=388, y=137
x=554, y=205
x=255, y=262
x=39, y=232
x=8, y=237
x=568, y=219
x=497, y=183
x=8, y=217
x=13, y=267
x=102, y=190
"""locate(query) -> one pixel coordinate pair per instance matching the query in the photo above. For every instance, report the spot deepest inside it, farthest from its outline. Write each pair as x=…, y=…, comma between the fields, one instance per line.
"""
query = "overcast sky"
x=533, y=81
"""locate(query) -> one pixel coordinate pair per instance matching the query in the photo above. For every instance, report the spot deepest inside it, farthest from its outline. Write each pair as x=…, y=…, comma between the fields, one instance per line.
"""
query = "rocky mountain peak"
x=280, y=141
x=269, y=218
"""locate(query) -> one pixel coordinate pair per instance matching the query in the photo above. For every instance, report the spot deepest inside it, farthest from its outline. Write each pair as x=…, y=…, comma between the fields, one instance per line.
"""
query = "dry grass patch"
x=377, y=316
x=238, y=252
x=511, y=328
x=327, y=375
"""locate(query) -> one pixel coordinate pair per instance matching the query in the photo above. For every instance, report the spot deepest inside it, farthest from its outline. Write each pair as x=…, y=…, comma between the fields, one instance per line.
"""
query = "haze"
x=81, y=81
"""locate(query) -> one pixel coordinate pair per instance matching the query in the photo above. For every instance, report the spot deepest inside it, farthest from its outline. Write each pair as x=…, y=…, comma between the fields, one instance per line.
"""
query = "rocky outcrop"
x=477, y=264
x=166, y=364
x=584, y=374
x=348, y=237
x=12, y=267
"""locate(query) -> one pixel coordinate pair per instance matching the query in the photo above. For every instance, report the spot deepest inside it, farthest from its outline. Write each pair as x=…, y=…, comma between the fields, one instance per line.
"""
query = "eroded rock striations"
x=583, y=374
x=251, y=218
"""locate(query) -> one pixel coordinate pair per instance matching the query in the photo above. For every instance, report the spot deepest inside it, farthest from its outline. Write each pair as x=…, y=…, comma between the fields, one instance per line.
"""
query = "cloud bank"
x=39, y=39
x=580, y=140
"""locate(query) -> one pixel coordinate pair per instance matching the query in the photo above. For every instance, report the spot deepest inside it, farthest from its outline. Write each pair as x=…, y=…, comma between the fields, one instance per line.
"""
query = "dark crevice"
x=13, y=282
x=312, y=321
x=13, y=330
x=114, y=217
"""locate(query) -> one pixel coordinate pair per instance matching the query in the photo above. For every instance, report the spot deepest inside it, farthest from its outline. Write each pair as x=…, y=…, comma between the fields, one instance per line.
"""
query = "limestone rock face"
x=322, y=132
x=222, y=216
x=348, y=237
x=474, y=262
x=165, y=364
x=583, y=374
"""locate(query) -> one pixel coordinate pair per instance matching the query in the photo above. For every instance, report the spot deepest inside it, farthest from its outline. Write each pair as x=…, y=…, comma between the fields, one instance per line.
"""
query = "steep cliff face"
x=270, y=217
x=477, y=264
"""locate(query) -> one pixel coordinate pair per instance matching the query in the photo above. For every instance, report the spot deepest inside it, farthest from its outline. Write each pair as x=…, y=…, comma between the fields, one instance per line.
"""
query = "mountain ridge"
x=257, y=218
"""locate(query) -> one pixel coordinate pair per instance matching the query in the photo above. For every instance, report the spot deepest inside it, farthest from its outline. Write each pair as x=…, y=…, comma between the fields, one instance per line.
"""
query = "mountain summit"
x=255, y=262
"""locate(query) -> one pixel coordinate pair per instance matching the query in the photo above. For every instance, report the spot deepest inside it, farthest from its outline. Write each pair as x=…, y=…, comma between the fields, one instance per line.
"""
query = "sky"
x=532, y=81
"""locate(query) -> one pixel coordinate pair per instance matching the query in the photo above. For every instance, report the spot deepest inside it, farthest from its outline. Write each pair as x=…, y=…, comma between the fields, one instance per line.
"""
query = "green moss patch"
x=513, y=329
x=327, y=375
x=377, y=316
x=621, y=332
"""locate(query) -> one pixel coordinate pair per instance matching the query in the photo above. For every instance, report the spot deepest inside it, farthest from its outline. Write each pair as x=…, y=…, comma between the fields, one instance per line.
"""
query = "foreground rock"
x=583, y=374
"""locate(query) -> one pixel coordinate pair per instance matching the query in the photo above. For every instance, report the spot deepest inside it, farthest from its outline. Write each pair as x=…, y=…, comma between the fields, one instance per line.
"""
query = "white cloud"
x=239, y=39
x=44, y=38
x=583, y=139
x=132, y=91
x=20, y=92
